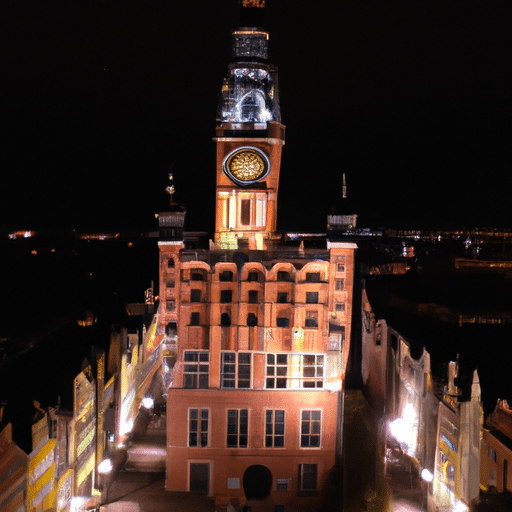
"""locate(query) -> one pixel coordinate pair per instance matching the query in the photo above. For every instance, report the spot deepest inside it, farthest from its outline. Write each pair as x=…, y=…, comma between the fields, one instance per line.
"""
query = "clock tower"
x=249, y=137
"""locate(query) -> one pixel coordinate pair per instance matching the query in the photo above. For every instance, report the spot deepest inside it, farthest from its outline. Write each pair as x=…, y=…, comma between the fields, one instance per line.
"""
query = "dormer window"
x=313, y=277
x=226, y=275
x=283, y=275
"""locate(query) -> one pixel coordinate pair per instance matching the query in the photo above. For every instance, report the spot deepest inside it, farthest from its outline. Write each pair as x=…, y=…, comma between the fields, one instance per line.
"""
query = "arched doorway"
x=257, y=482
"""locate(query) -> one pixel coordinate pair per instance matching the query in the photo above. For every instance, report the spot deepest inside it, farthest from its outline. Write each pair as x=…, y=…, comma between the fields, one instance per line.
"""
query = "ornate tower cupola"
x=249, y=138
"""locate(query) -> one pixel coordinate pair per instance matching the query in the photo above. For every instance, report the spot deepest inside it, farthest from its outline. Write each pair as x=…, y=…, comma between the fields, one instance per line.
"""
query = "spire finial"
x=170, y=189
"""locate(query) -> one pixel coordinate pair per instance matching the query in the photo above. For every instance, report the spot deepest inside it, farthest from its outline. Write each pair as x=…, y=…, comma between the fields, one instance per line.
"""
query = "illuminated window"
x=310, y=428
x=196, y=370
x=311, y=319
x=195, y=318
x=339, y=307
x=226, y=275
x=308, y=477
x=170, y=304
x=253, y=296
x=170, y=284
x=236, y=370
x=238, y=428
x=195, y=295
x=274, y=429
x=277, y=371
x=312, y=297
x=313, y=277
x=340, y=284
x=226, y=296
x=312, y=370
x=296, y=371
x=282, y=297
x=198, y=427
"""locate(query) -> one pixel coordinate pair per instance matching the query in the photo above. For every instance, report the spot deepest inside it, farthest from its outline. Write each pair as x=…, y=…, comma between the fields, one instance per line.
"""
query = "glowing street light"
x=105, y=466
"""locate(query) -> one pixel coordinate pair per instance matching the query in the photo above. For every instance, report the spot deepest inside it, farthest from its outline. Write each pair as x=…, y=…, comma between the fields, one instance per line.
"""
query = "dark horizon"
x=411, y=101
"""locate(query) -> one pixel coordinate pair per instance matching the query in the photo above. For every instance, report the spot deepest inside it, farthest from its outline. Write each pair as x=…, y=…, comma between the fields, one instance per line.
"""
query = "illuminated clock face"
x=246, y=165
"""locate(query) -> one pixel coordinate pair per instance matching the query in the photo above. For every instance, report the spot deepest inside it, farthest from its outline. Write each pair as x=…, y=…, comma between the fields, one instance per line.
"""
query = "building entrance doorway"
x=257, y=482
x=200, y=478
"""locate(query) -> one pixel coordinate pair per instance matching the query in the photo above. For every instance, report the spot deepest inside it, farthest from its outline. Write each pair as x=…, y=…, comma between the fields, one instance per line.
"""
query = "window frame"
x=238, y=377
x=273, y=432
x=303, y=476
x=312, y=439
x=198, y=378
x=199, y=431
x=241, y=428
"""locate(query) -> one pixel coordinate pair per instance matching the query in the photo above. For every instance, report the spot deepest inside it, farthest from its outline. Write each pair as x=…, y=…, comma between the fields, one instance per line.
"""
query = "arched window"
x=170, y=263
x=225, y=320
x=252, y=320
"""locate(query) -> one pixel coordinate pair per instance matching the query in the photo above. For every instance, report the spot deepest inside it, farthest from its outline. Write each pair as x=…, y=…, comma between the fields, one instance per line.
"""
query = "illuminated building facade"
x=13, y=473
x=496, y=453
x=257, y=326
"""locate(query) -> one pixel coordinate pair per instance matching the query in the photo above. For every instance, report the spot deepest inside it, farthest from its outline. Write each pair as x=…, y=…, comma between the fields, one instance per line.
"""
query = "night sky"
x=411, y=99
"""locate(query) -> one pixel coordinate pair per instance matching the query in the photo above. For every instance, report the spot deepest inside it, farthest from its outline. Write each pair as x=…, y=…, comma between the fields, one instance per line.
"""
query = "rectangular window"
x=226, y=296
x=308, y=477
x=313, y=277
x=283, y=321
x=195, y=295
x=312, y=371
x=170, y=304
x=340, y=284
x=274, y=429
x=339, y=307
x=310, y=428
x=493, y=455
x=261, y=212
x=253, y=296
x=236, y=370
x=198, y=427
x=340, y=267
x=311, y=319
x=238, y=428
x=194, y=318
x=312, y=297
x=297, y=371
x=196, y=370
x=170, y=284
x=282, y=297
x=277, y=371
x=245, y=212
